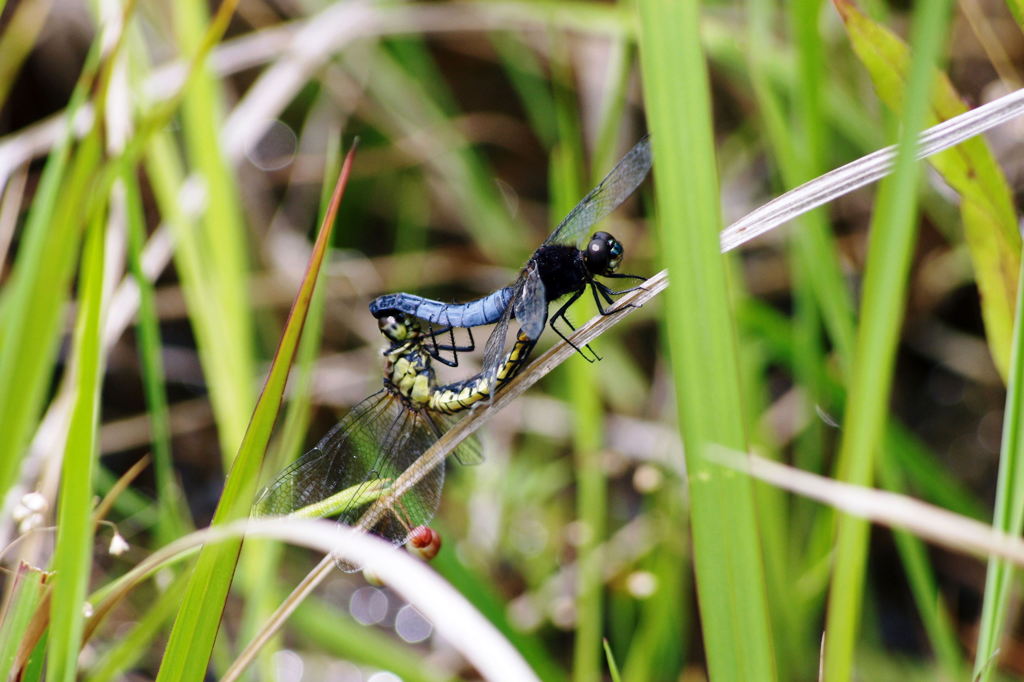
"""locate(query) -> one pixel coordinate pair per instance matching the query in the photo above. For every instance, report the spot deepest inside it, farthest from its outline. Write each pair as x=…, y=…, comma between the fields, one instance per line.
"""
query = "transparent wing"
x=530, y=307
x=469, y=452
x=355, y=463
x=616, y=187
x=494, y=349
x=326, y=469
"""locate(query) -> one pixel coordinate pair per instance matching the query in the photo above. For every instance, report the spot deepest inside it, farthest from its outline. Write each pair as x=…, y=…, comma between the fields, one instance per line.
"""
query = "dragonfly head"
x=398, y=326
x=603, y=254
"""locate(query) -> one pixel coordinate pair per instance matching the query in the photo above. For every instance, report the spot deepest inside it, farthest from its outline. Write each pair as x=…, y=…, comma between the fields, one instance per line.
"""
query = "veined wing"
x=469, y=452
x=494, y=349
x=616, y=187
x=355, y=463
x=529, y=306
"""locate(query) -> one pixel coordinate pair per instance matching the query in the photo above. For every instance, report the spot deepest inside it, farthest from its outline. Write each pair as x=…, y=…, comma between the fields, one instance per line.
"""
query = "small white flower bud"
x=35, y=502
x=118, y=545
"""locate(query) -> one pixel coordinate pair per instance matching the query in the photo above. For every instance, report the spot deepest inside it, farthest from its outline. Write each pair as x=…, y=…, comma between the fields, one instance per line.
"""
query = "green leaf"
x=989, y=219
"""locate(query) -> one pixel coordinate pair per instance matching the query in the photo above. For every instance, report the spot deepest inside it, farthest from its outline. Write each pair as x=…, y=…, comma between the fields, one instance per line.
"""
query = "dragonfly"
x=558, y=267
x=357, y=461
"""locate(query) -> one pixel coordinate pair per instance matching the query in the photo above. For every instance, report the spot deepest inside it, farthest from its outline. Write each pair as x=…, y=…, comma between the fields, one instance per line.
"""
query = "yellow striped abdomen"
x=464, y=394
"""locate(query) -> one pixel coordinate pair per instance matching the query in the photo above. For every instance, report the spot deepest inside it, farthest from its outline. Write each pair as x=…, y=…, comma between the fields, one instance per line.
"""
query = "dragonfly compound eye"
x=604, y=253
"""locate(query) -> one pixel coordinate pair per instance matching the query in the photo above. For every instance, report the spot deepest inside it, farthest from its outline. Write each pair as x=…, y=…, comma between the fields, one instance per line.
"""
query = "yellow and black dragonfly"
x=357, y=461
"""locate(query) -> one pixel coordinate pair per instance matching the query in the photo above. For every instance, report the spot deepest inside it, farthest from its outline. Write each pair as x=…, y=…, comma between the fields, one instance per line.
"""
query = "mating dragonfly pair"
x=356, y=462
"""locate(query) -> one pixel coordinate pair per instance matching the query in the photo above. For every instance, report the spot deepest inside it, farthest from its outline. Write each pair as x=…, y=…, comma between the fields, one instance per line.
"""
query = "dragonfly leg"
x=560, y=313
x=437, y=348
x=616, y=275
x=606, y=294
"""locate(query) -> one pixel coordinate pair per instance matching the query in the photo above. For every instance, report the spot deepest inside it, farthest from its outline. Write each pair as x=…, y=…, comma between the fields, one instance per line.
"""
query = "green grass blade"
x=730, y=574
x=934, y=616
x=1008, y=515
x=20, y=604
x=37, y=289
x=172, y=517
x=72, y=559
x=893, y=230
x=591, y=496
x=195, y=627
x=819, y=296
x=613, y=668
x=222, y=262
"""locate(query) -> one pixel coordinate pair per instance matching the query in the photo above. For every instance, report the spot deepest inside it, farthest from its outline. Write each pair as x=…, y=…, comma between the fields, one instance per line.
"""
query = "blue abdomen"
x=486, y=310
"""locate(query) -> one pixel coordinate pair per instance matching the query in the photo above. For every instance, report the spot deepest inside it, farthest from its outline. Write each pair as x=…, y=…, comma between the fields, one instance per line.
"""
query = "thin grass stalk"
x=786, y=138
x=893, y=230
x=935, y=617
x=453, y=617
x=937, y=525
x=591, y=496
x=702, y=346
x=566, y=188
x=72, y=559
x=1008, y=514
x=588, y=427
x=172, y=517
x=865, y=170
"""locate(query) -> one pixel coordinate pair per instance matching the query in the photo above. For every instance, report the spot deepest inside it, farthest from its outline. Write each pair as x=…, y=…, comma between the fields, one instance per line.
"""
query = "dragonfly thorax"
x=562, y=269
x=406, y=362
x=408, y=369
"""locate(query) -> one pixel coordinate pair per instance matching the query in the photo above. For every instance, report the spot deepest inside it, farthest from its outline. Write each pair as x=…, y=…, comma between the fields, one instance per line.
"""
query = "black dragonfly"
x=557, y=268
x=384, y=435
